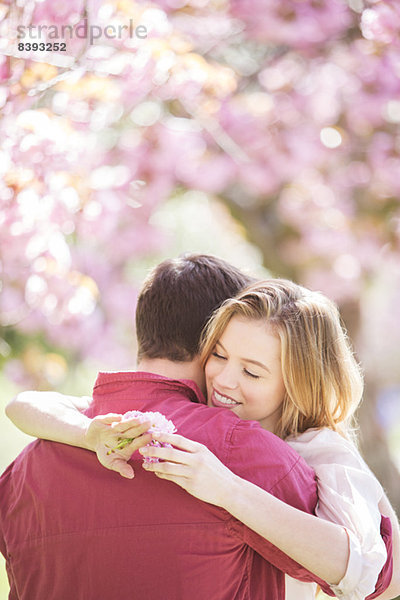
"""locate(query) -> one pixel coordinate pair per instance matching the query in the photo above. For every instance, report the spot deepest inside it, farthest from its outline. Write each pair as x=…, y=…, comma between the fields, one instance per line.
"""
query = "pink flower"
x=381, y=23
x=297, y=24
x=159, y=424
x=5, y=69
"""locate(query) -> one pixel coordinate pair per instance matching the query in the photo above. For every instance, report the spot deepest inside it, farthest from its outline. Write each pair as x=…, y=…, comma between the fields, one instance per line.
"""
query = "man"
x=71, y=529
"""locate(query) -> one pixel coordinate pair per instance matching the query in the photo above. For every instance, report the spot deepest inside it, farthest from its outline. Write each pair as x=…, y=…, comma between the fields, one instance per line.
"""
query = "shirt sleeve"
x=348, y=494
x=276, y=557
x=267, y=461
x=385, y=576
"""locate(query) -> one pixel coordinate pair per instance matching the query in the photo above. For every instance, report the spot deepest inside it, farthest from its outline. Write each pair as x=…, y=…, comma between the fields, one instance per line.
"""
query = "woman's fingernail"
x=155, y=434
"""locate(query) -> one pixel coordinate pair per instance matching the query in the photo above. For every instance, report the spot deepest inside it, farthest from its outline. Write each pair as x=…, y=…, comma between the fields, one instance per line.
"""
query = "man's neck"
x=174, y=370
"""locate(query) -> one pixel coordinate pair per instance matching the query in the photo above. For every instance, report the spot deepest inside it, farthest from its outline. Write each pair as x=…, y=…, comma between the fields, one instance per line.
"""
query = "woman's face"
x=244, y=372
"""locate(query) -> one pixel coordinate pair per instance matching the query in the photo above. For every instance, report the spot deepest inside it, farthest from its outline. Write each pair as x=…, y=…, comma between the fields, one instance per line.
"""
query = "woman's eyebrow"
x=255, y=362
x=249, y=360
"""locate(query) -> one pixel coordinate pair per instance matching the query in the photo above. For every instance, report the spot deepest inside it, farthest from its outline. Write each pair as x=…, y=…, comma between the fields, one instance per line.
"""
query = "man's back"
x=74, y=530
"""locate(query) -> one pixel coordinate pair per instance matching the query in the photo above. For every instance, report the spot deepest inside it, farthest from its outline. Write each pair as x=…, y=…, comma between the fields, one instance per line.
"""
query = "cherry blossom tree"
x=287, y=112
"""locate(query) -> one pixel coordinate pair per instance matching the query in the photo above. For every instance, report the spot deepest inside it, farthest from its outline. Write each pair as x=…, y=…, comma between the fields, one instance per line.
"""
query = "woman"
x=278, y=354
x=281, y=342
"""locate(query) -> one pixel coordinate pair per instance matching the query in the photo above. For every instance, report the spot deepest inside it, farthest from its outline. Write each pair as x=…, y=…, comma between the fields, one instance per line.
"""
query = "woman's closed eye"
x=218, y=355
x=250, y=374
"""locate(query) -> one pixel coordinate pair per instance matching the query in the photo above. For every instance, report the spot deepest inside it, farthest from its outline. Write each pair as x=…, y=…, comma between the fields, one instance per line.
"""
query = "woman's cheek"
x=210, y=371
x=209, y=368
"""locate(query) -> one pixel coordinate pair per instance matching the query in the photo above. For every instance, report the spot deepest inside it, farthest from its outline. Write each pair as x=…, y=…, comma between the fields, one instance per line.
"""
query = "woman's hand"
x=106, y=431
x=193, y=467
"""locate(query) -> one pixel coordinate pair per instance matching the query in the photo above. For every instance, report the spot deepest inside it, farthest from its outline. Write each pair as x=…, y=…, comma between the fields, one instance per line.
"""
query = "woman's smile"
x=218, y=399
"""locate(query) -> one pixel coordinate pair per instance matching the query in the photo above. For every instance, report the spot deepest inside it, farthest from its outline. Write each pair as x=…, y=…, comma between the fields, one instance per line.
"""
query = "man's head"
x=176, y=301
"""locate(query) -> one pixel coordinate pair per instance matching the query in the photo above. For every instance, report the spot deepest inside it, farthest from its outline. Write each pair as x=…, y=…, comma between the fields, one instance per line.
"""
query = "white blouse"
x=348, y=494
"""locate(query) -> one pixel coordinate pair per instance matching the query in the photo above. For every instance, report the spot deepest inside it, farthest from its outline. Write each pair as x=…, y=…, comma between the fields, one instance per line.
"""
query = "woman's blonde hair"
x=323, y=380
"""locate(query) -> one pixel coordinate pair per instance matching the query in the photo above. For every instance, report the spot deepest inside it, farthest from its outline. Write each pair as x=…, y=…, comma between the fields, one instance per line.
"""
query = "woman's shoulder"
x=320, y=437
x=337, y=464
x=325, y=446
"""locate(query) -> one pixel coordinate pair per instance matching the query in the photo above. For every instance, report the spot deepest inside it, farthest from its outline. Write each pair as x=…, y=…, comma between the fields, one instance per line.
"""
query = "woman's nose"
x=227, y=377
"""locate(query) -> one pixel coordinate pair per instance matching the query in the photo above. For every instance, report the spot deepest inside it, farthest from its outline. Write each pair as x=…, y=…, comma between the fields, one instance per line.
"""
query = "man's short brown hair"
x=176, y=301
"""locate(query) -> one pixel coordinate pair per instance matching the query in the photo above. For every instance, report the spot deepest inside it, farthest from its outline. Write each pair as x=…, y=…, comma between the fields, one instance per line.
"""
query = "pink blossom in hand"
x=159, y=424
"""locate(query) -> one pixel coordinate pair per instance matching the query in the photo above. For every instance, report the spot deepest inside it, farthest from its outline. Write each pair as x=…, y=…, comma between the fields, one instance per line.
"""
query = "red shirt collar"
x=185, y=386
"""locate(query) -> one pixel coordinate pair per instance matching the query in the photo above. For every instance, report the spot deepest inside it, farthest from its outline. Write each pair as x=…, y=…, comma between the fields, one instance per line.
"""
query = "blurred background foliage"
x=265, y=132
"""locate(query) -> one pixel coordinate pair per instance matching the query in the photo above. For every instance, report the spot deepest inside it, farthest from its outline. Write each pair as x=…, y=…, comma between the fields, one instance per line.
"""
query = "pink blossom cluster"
x=286, y=111
x=381, y=22
x=159, y=424
x=296, y=24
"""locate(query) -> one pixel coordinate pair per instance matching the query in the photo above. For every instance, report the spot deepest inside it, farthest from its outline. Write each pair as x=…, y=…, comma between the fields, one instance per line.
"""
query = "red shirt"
x=70, y=529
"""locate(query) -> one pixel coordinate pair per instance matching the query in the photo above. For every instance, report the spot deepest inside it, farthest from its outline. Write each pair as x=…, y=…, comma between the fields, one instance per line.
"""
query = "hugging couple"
x=261, y=494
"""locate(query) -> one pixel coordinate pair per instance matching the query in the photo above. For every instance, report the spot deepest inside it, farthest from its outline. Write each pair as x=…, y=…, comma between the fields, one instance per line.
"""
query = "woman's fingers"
x=178, y=441
x=131, y=427
x=137, y=443
x=180, y=463
x=108, y=419
x=122, y=467
x=167, y=469
x=193, y=467
x=133, y=432
x=167, y=454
